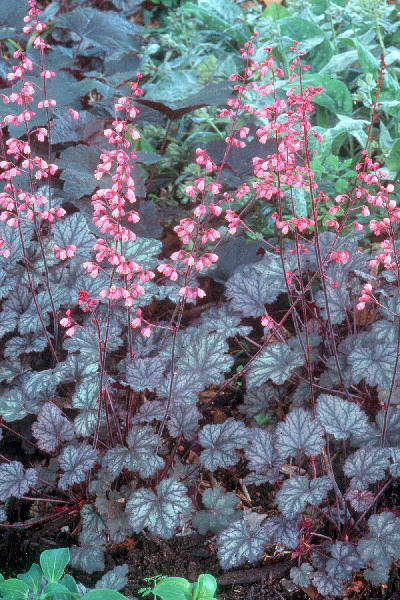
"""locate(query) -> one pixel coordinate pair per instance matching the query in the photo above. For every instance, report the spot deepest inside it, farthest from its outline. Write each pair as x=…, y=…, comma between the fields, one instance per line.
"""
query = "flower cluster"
x=111, y=205
x=17, y=157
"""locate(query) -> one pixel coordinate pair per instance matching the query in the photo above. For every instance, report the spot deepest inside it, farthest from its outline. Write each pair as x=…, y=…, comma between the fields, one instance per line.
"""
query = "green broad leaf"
x=57, y=591
x=103, y=594
x=311, y=38
x=33, y=577
x=173, y=588
x=205, y=587
x=276, y=362
x=53, y=563
x=368, y=62
x=392, y=162
x=69, y=582
x=346, y=125
x=220, y=17
x=160, y=512
x=335, y=95
x=296, y=493
x=14, y=589
x=275, y=11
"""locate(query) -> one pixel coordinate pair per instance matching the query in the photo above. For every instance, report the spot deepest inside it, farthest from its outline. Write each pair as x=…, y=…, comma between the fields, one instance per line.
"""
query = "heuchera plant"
x=106, y=398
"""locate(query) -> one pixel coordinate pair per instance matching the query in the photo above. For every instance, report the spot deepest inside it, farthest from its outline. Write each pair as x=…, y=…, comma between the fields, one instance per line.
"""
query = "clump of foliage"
x=178, y=588
x=48, y=581
x=108, y=340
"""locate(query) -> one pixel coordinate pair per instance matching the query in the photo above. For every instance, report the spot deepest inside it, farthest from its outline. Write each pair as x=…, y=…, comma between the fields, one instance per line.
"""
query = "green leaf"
x=103, y=594
x=346, y=125
x=205, y=587
x=33, y=577
x=53, y=563
x=368, y=62
x=220, y=17
x=335, y=96
x=275, y=11
x=173, y=588
x=393, y=160
x=311, y=38
x=69, y=582
x=56, y=591
x=14, y=589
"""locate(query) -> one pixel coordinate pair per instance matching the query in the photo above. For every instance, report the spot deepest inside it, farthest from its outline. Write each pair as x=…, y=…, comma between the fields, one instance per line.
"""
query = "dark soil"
x=186, y=556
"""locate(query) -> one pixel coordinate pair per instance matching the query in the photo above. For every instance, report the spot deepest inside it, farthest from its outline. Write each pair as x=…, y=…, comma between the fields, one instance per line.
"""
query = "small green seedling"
x=178, y=588
x=48, y=582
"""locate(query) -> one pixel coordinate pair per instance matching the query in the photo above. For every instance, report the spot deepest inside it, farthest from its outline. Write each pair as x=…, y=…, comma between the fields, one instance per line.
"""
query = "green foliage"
x=48, y=582
x=178, y=588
